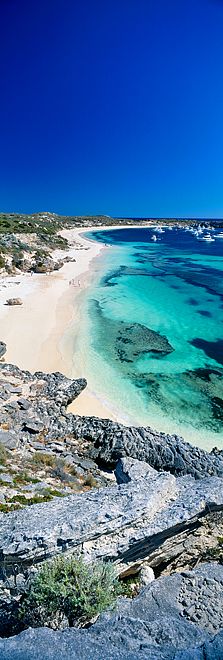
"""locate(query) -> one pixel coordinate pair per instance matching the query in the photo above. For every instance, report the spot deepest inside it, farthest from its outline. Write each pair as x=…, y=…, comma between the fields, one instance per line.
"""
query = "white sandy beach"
x=37, y=332
x=34, y=331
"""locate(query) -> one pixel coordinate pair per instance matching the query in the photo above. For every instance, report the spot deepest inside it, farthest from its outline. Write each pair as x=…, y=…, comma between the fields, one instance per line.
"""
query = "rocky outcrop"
x=175, y=618
x=40, y=464
x=2, y=348
x=33, y=402
x=48, y=452
x=150, y=520
x=126, y=524
x=38, y=404
x=13, y=301
x=162, y=451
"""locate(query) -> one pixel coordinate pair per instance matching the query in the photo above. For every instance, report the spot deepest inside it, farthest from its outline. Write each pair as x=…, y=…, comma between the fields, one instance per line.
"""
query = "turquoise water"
x=153, y=327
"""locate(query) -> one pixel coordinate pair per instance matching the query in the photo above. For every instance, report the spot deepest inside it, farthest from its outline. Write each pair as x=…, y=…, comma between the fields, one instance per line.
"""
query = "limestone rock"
x=5, y=478
x=153, y=626
x=126, y=524
x=8, y=439
x=128, y=469
x=2, y=348
x=14, y=301
x=112, y=441
x=146, y=575
x=33, y=425
x=104, y=441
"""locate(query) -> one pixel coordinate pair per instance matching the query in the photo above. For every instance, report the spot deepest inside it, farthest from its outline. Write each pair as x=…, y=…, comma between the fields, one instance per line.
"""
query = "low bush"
x=90, y=481
x=40, y=458
x=58, y=471
x=215, y=553
x=2, y=261
x=3, y=454
x=67, y=589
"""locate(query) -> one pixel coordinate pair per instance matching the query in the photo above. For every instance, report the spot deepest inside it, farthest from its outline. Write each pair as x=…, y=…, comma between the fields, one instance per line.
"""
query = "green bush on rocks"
x=3, y=454
x=68, y=592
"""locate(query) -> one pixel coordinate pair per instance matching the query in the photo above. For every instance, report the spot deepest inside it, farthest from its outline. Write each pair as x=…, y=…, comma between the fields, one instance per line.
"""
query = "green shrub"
x=17, y=258
x=24, y=478
x=3, y=454
x=215, y=553
x=67, y=587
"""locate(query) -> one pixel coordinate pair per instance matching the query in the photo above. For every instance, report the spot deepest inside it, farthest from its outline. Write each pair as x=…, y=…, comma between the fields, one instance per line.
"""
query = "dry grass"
x=90, y=481
x=41, y=459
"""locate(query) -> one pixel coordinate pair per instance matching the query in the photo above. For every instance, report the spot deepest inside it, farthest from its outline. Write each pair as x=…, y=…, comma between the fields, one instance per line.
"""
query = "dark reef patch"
x=204, y=312
x=207, y=373
x=126, y=342
x=217, y=408
x=192, y=301
x=136, y=339
x=206, y=406
x=213, y=349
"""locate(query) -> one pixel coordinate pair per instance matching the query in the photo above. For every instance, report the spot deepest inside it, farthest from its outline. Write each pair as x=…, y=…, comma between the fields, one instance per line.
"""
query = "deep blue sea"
x=153, y=324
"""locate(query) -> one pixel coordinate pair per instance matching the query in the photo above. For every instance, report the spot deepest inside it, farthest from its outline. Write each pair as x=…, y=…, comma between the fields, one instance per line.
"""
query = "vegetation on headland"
x=60, y=479
x=26, y=240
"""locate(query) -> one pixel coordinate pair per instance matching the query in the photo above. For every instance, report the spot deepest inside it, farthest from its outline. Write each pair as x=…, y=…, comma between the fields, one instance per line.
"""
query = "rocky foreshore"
x=178, y=617
x=162, y=511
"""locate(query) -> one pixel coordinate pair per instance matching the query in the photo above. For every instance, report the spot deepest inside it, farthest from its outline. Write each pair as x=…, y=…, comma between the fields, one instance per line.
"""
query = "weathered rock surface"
x=162, y=451
x=175, y=618
x=128, y=469
x=126, y=524
x=29, y=406
x=2, y=348
x=14, y=301
x=152, y=519
x=30, y=403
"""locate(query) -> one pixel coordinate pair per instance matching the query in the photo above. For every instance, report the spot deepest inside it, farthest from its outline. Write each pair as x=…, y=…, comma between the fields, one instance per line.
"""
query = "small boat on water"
x=208, y=238
x=219, y=235
x=154, y=237
x=160, y=230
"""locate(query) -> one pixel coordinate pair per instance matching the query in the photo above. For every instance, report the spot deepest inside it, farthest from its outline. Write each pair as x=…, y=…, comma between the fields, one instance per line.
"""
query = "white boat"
x=208, y=238
x=219, y=235
x=154, y=237
x=160, y=230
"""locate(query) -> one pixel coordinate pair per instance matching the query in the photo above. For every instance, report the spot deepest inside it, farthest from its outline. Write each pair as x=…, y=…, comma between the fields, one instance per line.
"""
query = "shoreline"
x=38, y=333
x=33, y=330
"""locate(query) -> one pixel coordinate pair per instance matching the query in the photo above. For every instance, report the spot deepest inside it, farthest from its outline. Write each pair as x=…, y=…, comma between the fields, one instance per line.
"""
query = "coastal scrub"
x=68, y=592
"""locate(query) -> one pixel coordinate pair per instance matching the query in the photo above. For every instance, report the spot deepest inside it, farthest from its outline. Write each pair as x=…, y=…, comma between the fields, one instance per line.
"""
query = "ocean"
x=151, y=332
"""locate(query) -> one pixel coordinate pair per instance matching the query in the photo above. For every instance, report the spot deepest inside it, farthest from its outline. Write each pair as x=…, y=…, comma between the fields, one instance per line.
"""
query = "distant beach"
x=40, y=333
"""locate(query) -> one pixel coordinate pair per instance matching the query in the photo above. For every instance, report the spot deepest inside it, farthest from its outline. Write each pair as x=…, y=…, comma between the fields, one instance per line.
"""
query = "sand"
x=40, y=333
x=37, y=332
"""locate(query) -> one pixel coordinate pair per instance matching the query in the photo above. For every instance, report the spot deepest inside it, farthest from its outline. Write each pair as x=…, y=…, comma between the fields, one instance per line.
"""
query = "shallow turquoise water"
x=153, y=328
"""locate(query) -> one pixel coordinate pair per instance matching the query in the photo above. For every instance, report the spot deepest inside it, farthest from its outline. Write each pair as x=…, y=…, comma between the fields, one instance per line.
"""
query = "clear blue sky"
x=112, y=106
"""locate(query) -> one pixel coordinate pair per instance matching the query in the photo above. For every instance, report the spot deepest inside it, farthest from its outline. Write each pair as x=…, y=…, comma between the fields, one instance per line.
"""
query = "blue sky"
x=112, y=107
